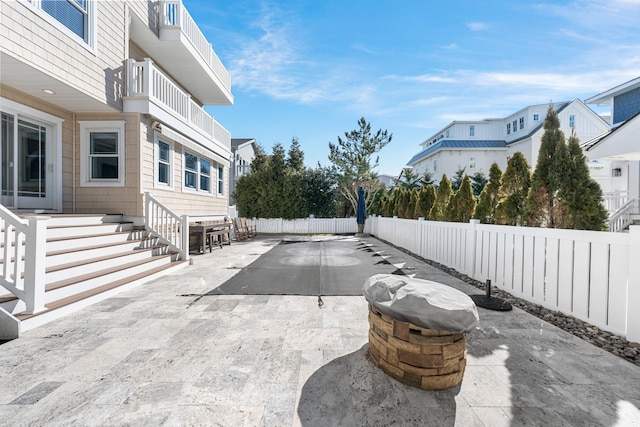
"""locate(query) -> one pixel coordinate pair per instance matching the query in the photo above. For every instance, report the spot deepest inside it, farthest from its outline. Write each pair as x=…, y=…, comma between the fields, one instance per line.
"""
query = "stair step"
x=113, y=260
x=83, y=299
x=65, y=255
x=96, y=279
x=66, y=231
x=76, y=219
x=82, y=242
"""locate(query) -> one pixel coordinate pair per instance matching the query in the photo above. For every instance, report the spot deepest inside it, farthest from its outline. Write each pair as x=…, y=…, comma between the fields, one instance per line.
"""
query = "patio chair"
x=251, y=229
x=241, y=233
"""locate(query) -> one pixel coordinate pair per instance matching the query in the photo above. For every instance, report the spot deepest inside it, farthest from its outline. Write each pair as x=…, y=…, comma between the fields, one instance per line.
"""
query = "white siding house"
x=103, y=101
x=475, y=145
x=243, y=151
x=620, y=144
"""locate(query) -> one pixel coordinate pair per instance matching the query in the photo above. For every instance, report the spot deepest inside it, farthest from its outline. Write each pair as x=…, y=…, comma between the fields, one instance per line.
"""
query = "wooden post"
x=34, y=266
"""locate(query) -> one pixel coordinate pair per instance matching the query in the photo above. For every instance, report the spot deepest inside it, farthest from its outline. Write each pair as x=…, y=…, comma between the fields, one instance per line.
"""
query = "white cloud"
x=477, y=26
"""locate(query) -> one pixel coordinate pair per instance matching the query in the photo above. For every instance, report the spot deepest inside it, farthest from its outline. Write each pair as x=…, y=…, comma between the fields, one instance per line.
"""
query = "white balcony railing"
x=145, y=80
x=614, y=200
x=174, y=14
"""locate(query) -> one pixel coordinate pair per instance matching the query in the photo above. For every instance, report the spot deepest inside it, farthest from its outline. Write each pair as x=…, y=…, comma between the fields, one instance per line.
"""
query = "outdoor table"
x=207, y=232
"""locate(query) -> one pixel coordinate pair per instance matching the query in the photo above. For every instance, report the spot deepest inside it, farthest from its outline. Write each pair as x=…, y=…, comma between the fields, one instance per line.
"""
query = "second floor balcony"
x=148, y=90
x=173, y=39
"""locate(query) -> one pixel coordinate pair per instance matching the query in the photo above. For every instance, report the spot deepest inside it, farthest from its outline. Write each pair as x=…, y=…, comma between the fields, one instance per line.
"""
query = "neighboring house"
x=103, y=101
x=243, y=151
x=387, y=180
x=620, y=144
x=475, y=145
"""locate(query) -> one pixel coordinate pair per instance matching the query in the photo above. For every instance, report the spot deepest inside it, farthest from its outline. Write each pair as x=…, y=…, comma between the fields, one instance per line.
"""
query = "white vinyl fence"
x=305, y=225
x=591, y=275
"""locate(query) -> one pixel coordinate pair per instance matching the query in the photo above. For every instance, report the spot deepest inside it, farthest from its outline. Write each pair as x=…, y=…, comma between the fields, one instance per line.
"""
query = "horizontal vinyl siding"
x=39, y=43
x=125, y=200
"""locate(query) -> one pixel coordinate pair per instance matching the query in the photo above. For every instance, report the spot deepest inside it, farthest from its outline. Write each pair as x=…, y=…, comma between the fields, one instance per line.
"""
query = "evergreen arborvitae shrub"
x=443, y=195
x=514, y=188
x=488, y=199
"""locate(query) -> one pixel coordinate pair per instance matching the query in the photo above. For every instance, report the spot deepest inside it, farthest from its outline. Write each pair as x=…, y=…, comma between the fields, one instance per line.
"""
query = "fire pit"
x=417, y=330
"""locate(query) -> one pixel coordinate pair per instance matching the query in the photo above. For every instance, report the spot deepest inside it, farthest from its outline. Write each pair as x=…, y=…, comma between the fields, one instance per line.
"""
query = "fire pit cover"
x=424, y=303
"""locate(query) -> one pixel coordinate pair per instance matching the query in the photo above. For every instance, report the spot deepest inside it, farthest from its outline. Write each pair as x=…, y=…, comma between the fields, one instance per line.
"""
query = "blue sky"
x=311, y=68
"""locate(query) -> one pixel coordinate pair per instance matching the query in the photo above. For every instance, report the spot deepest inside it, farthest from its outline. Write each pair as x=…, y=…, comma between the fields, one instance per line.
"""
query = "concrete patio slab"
x=168, y=353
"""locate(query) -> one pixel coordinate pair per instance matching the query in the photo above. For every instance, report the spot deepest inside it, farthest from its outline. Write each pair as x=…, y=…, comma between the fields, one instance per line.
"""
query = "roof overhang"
x=32, y=81
x=621, y=144
x=605, y=98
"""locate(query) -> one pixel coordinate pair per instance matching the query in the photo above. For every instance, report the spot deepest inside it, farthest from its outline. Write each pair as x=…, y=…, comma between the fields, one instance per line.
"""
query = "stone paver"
x=163, y=354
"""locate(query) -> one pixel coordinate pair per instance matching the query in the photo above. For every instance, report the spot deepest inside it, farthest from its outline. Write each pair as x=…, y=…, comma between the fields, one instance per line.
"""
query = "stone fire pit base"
x=424, y=358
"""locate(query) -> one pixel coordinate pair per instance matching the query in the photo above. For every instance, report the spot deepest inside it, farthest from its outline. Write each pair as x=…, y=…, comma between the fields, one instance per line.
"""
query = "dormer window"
x=521, y=123
x=515, y=126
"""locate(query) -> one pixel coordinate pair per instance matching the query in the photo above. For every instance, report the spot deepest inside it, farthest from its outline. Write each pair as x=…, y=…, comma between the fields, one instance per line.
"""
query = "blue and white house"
x=475, y=145
x=620, y=145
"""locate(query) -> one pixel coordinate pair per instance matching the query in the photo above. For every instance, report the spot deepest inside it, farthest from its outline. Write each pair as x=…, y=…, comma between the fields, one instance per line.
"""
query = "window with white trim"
x=508, y=128
x=197, y=173
x=74, y=17
x=572, y=121
x=472, y=130
x=102, y=154
x=164, y=164
x=472, y=163
x=220, y=180
x=515, y=126
x=536, y=117
x=521, y=123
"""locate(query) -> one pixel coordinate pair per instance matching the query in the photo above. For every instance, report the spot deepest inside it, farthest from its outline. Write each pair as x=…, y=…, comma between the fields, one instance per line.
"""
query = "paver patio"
x=168, y=353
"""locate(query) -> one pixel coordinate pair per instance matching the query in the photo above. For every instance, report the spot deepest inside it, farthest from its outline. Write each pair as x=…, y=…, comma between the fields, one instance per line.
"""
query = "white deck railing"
x=614, y=200
x=170, y=228
x=174, y=14
x=591, y=275
x=23, y=253
x=145, y=80
x=623, y=217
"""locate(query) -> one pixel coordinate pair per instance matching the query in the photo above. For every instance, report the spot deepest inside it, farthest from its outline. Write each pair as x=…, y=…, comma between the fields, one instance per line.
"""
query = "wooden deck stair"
x=91, y=258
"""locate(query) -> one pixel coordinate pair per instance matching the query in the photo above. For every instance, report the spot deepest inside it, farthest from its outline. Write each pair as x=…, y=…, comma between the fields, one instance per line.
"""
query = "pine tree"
x=426, y=179
x=461, y=205
x=580, y=195
x=478, y=182
x=514, y=187
x=488, y=199
x=426, y=197
x=443, y=195
x=543, y=203
x=457, y=178
x=413, y=201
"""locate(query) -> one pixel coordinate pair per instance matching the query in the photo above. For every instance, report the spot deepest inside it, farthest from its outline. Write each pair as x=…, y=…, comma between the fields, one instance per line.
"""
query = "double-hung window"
x=197, y=173
x=164, y=164
x=75, y=17
x=521, y=123
x=508, y=128
x=515, y=126
x=220, y=181
x=472, y=130
x=572, y=121
x=102, y=154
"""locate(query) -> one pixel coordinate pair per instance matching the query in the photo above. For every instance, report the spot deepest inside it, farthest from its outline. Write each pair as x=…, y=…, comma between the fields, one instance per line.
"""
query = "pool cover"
x=337, y=266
